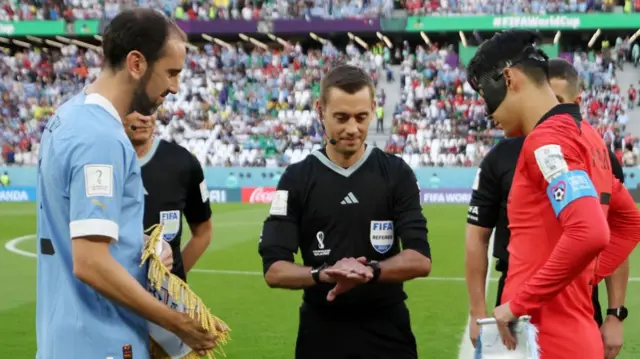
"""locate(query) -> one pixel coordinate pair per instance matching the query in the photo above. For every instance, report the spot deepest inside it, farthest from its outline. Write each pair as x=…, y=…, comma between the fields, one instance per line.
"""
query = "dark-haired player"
x=488, y=210
x=347, y=208
x=92, y=297
x=562, y=195
x=169, y=197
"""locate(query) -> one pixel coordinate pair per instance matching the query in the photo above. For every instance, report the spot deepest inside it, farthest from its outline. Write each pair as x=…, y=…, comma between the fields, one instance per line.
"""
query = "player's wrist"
x=479, y=311
x=172, y=320
x=319, y=276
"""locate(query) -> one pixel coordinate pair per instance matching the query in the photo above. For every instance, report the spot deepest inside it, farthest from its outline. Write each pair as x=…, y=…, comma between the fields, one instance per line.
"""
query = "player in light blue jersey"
x=92, y=302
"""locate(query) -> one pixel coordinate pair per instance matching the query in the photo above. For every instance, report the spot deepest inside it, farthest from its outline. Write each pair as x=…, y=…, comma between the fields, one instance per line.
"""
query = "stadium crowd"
x=441, y=121
x=277, y=9
x=254, y=108
x=240, y=107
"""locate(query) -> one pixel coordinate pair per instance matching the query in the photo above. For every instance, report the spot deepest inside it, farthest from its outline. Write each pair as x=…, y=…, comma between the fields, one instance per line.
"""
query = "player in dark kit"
x=347, y=208
x=174, y=186
x=572, y=222
x=488, y=210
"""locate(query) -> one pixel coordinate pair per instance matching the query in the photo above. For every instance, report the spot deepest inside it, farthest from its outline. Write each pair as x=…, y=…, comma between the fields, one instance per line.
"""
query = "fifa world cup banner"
x=257, y=194
x=17, y=194
x=326, y=25
x=218, y=26
x=590, y=21
x=224, y=195
x=445, y=196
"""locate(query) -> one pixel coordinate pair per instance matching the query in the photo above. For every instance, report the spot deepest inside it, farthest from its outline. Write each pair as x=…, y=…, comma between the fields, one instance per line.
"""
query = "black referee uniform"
x=174, y=185
x=488, y=205
x=370, y=209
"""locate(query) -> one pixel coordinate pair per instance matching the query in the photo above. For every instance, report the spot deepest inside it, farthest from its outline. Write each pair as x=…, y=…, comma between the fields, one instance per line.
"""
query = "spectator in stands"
x=5, y=180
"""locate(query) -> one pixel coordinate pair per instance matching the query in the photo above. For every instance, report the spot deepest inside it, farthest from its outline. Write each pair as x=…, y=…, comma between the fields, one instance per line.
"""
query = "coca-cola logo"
x=261, y=195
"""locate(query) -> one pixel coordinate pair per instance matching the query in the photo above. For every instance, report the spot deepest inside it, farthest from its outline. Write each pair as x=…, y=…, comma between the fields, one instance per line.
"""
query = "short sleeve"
x=279, y=238
x=410, y=224
x=486, y=196
x=98, y=169
x=555, y=167
x=197, y=208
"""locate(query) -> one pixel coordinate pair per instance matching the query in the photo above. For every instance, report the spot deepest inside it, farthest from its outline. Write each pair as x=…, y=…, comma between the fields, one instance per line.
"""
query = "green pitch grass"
x=264, y=321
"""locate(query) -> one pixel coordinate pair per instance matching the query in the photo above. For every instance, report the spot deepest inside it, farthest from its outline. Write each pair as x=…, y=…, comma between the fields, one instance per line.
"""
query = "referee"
x=488, y=210
x=174, y=186
x=354, y=213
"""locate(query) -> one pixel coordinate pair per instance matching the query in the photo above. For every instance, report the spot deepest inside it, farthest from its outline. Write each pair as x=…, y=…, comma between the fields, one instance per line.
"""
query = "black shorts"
x=380, y=334
x=597, y=315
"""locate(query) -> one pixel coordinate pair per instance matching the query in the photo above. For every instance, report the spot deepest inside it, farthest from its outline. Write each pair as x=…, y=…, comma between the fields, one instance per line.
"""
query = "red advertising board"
x=257, y=194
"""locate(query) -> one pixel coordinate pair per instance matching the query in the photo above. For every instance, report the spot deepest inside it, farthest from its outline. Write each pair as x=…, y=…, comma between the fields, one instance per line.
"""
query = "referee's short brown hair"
x=561, y=69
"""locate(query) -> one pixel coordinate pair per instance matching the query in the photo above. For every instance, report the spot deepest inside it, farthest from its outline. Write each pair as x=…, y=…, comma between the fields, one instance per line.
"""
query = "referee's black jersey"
x=370, y=209
x=488, y=205
x=174, y=185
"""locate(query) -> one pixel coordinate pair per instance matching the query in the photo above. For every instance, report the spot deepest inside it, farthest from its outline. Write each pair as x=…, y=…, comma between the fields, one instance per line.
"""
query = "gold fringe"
x=180, y=291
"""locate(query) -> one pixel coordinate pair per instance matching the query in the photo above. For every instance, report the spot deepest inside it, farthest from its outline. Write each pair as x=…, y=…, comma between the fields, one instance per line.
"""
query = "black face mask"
x=492, y=85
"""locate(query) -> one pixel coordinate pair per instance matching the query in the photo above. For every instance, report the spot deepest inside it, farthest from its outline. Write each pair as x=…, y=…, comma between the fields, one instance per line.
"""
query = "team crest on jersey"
x=381, y=236
x=170, y=221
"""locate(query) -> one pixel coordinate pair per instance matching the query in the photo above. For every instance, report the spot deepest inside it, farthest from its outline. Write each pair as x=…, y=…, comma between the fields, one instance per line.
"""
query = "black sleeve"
x=616, y=168
x=411, y=226
x=279, y=237
x=197, y=209
x=484, y=206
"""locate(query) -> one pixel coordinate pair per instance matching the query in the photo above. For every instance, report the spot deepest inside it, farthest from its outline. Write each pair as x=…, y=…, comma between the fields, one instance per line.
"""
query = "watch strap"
x=620, y=312
x=375, y=265
x=315, y=273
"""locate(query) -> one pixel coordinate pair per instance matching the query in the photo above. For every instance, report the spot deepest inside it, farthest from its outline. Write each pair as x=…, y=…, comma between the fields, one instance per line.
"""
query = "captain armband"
x=568, y=187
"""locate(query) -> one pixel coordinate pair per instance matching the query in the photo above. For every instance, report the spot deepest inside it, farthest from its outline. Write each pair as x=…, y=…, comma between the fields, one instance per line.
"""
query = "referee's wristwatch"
x=621, y=312
x=315, y=273
x=375, y=265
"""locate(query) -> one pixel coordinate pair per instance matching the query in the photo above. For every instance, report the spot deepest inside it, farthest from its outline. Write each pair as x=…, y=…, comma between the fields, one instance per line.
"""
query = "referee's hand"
x=348, y=273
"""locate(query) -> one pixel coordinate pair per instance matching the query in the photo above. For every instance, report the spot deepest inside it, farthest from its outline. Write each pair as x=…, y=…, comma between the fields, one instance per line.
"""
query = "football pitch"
x=264, y=321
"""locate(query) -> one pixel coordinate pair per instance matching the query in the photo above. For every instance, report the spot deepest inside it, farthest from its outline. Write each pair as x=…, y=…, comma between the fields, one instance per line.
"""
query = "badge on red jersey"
x=551, y=161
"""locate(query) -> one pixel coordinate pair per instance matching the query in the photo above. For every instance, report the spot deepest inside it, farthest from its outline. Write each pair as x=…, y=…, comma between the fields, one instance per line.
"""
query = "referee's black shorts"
x=597, y=315
x=378, y=334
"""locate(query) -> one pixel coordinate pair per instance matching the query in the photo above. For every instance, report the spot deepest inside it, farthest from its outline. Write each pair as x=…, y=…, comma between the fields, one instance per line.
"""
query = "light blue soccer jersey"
x=89, y=183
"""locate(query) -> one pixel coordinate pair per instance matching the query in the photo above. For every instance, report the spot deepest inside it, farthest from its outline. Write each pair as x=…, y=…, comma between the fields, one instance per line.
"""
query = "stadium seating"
x=440, y=120
x=255, y=109
x=233, y=118
x=204, y=9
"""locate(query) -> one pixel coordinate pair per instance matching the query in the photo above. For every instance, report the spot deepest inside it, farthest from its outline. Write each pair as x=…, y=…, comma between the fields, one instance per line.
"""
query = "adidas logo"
x=349, y=199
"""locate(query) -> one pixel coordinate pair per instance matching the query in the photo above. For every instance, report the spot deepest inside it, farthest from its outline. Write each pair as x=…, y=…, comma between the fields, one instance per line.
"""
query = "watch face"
x=623, y=313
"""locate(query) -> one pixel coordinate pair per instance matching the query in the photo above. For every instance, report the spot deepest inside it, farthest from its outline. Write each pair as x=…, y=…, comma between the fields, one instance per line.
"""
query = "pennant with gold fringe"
x=174, y=292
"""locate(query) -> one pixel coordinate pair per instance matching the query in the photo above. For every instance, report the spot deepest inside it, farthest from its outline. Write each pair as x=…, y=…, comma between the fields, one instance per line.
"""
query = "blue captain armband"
x=568, y=187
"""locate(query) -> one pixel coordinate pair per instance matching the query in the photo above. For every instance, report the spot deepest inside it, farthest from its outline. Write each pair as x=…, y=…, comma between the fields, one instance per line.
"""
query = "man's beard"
x=141, y=102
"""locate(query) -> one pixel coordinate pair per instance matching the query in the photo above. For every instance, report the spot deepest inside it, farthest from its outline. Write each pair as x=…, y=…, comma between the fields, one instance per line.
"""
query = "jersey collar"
x=570, y=109
x=346, y=172
x=97, y=99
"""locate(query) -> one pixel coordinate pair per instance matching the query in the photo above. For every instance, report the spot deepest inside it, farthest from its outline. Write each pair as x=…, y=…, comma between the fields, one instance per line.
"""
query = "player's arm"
x=482, y=216
x=197, y=211
x=624, y=225
x=617, y=282
x=280, y=236
x=95, y=190
x=557, y=174
x=410, y=225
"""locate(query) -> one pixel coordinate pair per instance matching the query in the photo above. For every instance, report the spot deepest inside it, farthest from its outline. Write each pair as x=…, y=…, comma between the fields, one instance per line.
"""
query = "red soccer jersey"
x=557, y=209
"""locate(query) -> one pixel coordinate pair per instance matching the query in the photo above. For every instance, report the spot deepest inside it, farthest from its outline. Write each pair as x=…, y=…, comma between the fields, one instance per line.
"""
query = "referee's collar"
x=97, y=99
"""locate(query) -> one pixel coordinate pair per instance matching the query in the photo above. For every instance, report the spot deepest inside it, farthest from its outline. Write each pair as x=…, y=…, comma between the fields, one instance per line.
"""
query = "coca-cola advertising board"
x=257, y=194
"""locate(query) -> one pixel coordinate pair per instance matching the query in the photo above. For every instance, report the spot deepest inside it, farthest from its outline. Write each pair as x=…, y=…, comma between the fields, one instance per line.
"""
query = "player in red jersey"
x=566, y=210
